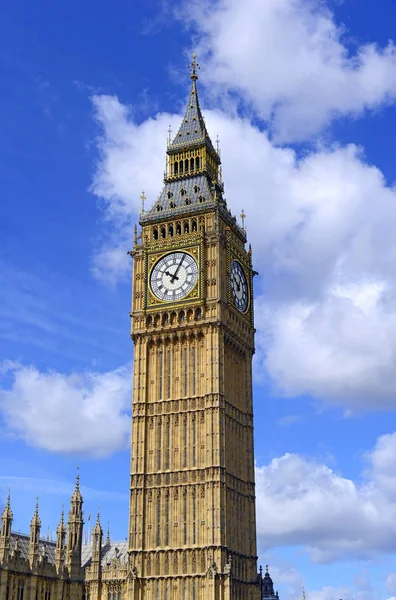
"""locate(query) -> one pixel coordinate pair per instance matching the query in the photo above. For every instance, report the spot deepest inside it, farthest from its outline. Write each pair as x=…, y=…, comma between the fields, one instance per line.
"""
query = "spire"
x=192, y=130
x=5, y=533
x=35, y=526
x=267, y=586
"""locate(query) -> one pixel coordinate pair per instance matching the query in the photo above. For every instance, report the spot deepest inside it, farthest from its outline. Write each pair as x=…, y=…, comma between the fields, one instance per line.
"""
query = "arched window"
x=191, y=164
x=159, y=207
x=182, y=192
x=181, y=167
x=172, y=204
x=170, y=195
x=170, y=230
x=155, y=233
x=175, y=168
x=201, y=199
x=197, y=162
x=196, y=189
x=163, y=232
x=178, y=229
x=194, y=225
x=187, y=201
x=186, y=228
x=186, y=164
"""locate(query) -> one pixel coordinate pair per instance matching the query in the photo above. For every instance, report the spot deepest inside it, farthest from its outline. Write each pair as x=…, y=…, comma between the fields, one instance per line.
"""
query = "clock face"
x=174, y=276
x=239, y=286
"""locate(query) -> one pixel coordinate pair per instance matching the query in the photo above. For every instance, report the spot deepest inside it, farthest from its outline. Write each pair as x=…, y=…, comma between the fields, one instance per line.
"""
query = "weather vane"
x=194, y=66
x=143, y=198
x=243, y=217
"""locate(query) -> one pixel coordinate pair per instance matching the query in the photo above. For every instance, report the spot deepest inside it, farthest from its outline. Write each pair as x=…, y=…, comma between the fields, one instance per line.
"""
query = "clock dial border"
x=174, y=266
x=244, y=310
x=194, y=295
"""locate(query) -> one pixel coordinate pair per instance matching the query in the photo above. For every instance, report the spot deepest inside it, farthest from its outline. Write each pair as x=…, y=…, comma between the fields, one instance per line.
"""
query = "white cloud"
x=86, y=413
x=290, y=62
x=322, y=230
x=303, y=502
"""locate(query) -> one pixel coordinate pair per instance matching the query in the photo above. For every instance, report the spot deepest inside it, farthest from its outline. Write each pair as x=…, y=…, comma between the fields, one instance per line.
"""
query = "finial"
x=8, y=505
x=261, y=572
x=143, y=198
x=303, y=592
x=98, y=516
x=266, y=568
x=194, y=66
x=243, y=217
x=78, y=480
x=218, y=144
x=135, y=234
x=37, y=507
x=108, y=533
x=169, y=134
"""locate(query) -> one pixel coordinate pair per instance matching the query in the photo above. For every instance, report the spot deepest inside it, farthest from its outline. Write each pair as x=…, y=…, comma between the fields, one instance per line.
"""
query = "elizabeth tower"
x=192, y=529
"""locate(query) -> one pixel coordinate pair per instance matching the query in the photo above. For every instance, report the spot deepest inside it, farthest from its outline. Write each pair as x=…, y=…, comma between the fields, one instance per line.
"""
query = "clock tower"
x=192, y=524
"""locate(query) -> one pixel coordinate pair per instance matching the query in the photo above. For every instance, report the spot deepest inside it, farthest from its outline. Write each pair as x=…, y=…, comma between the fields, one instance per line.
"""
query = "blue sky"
x=302, y=94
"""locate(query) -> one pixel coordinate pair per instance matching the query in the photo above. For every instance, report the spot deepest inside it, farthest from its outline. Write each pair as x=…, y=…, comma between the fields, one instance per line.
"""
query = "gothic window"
x=186, y=165
x=187, y=201
x=178, y=229
x=184, y=518
x=155, y=233
x=191, y=164
x=167, y=520
x=194, y=442
x=186, y=228
x=159, y=207
x=201, y=199
x=170, y=195
x=168, y=449
x=175, y=168
x=185, y=366
x=159, y=444
x=194, y=370
x=181, y=167
x=160, y=366
x=197, y=162
x=168, y=369
x=194, y=595
x=194, y=225
x=182, y=192
x=170, y=230
x=172, y=204
x=159, y=520
x=196, y=189
x=185, y=442
x=198, y=314
x=163, y=232
x=194, y=516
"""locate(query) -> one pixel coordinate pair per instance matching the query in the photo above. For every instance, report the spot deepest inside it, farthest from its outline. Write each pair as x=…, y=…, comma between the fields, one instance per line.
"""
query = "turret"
x=97, y=536
x=267, y=586
x=60, y=543
x=35, y=526
x=75, y=531
x=5, y=534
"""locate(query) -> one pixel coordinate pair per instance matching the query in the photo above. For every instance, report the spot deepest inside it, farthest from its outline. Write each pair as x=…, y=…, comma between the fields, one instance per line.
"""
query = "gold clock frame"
x=191, y=244
x=238, y=253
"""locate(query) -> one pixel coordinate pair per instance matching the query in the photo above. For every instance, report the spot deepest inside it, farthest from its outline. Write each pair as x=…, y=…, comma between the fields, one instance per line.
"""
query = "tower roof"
x=192, y=130
x=7, y=512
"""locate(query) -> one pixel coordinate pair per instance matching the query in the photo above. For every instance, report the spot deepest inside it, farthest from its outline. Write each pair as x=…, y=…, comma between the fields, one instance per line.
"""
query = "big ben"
x=192, y=527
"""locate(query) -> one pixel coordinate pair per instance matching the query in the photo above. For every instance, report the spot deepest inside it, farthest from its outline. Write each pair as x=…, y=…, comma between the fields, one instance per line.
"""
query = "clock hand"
x=170, y=275
x=177, y=270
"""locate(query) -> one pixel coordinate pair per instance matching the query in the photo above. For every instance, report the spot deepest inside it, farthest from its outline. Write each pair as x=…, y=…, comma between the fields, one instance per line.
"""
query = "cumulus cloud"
x=85, y=413
x=303, y=502
x=322, y=230
x=290, y=62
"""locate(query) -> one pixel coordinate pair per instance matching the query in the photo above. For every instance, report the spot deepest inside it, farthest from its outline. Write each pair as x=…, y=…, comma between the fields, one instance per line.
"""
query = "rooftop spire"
x=194, y=66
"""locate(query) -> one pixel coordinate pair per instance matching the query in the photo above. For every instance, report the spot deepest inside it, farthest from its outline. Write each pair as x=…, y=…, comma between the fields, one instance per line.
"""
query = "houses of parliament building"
x=192, y=519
